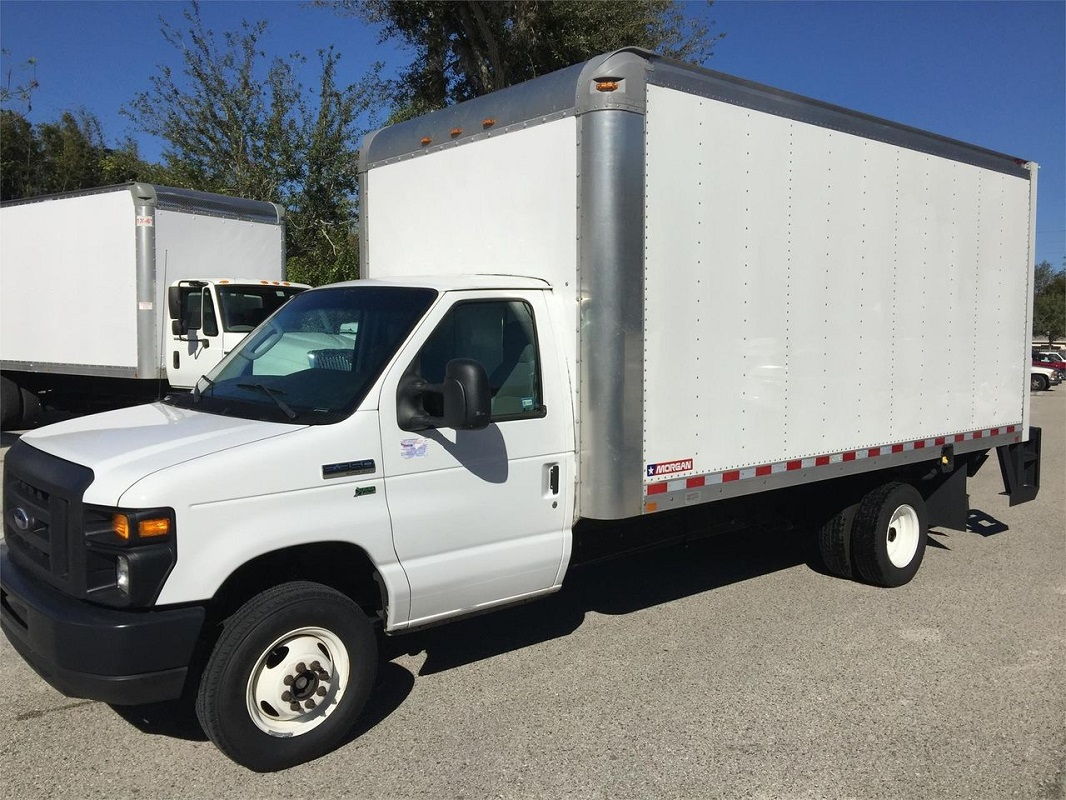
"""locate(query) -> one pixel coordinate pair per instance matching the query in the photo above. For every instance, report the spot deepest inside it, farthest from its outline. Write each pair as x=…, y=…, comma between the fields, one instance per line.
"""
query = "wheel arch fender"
x=341, y=565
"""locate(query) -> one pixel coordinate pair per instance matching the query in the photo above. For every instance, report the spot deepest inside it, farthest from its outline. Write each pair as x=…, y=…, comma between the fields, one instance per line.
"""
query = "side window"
x=192, y=306
x=499, y=334
x=210, y=321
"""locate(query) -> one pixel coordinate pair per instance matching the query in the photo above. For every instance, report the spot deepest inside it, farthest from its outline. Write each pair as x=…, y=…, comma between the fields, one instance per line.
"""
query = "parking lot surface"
x=730, y=668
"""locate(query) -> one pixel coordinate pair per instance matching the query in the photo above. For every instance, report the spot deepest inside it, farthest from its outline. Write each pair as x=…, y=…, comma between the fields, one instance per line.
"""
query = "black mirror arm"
x=416, y=387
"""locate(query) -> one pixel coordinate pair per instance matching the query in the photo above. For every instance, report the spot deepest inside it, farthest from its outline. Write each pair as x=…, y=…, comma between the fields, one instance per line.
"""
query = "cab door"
x=478, y=517
x=199, y=349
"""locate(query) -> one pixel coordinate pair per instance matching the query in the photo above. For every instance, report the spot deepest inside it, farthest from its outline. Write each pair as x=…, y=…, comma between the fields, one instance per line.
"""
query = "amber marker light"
x=120, y=524
x=425, y=140
x=606, y=86
x=148, y=528
x=457, y=131
x=488, y=122
x=651, y=506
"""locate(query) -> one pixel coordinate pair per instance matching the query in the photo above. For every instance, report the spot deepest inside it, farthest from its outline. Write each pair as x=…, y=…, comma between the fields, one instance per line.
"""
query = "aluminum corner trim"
x=611, y=318
x=148, y=359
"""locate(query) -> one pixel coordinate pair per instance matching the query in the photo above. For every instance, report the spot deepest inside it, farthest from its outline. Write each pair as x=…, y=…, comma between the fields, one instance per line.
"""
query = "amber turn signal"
x=120, y=524
x=606, y=86
x=147, y=528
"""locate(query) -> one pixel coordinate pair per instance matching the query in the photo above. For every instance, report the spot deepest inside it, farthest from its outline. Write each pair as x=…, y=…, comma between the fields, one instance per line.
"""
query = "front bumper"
x=84, y=650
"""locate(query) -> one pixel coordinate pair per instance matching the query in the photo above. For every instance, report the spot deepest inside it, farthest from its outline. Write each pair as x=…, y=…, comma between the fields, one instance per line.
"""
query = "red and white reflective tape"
x=762, y=470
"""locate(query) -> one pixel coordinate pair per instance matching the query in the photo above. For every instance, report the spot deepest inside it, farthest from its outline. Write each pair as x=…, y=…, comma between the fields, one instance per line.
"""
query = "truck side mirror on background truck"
x=174, y=302
x=177, y=327
x=467, y=400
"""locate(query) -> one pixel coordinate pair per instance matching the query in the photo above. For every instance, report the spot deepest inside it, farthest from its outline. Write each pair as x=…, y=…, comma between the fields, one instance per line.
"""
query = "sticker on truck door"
x=669, y=467
x=413, y=448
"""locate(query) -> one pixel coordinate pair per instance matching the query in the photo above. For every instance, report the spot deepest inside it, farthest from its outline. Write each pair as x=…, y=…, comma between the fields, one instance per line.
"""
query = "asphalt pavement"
x=730, y=668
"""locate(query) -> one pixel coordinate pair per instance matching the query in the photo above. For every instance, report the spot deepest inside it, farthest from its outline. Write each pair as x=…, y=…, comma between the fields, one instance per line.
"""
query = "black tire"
x=834, y=542
x=31, y=408
x=222, y=703
x=10, y=403
x=1038, y=383
x=872, y=534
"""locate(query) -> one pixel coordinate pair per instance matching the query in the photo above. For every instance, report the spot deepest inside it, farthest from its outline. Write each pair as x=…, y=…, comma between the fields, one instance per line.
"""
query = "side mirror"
x=174, y=302
x=467, y=399
x=177, y=327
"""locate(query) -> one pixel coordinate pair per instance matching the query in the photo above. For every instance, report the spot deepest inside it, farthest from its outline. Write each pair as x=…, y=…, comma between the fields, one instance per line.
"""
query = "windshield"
x=313, y=361
x=244, y=307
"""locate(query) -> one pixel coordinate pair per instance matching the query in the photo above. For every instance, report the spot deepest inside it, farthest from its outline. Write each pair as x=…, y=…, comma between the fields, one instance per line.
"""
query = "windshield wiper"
x=273, y=395
x=196, y=387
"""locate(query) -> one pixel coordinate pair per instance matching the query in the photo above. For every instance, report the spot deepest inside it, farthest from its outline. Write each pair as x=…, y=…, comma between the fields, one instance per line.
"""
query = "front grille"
x=42, y=515
x=29, y=505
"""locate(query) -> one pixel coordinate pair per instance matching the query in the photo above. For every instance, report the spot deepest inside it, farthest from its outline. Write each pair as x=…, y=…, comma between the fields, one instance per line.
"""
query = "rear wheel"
x=834, y=541
x=288, y=677
x=10, y=403
x=31, y=408
x=889, y=533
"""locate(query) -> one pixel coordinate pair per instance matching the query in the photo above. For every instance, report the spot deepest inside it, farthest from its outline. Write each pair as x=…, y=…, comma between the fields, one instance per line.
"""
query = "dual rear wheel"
x=881, y=539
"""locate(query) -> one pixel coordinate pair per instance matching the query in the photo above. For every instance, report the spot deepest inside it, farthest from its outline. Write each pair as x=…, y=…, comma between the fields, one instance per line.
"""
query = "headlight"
x=129, y=554
x=122, y=574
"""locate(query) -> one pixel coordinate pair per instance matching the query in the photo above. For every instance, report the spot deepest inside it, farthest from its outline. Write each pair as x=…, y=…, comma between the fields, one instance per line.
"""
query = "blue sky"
x=991, y=73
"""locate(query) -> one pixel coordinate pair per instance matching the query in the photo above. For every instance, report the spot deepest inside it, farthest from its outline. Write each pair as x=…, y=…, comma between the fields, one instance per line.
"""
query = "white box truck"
x=617, y=305
x=85, y=276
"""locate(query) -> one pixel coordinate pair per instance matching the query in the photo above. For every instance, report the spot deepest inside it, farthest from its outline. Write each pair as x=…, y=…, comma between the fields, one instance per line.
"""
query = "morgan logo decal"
x=669, y=467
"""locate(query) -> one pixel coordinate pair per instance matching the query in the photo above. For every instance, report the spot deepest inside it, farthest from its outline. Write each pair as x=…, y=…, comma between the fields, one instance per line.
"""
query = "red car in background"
x=1050, y=359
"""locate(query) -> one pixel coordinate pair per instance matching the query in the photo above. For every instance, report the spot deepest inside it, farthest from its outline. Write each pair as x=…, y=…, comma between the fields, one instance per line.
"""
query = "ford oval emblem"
x=21, y=518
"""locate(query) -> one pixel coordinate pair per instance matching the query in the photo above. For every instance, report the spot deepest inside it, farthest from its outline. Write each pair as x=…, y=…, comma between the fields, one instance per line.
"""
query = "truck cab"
x=209, y=317
x=346, y=441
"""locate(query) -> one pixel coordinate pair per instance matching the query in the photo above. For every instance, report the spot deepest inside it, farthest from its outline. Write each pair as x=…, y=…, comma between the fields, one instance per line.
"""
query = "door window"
x=210, y=321
x=501, y=335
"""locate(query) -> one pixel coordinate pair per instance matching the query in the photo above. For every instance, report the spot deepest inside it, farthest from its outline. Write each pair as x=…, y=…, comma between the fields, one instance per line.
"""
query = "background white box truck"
x=83, y=306
x=625, y=303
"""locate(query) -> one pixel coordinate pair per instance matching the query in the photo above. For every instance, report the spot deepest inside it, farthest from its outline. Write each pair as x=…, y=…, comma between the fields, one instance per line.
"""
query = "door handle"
x=553, y=479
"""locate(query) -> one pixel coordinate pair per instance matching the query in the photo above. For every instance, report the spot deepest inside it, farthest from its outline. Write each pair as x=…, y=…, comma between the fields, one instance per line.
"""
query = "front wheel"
x=889, y=533
x=1038, y=383
x=288, y=677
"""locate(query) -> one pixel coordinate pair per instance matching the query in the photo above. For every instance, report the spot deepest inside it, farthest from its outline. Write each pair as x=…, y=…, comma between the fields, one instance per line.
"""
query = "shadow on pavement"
x=931, y=542
x=176, y=719
x=620, y=586
x=984, y=524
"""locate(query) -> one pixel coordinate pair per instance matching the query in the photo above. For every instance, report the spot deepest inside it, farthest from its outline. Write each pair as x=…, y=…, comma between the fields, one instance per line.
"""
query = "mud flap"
x=1020, y=466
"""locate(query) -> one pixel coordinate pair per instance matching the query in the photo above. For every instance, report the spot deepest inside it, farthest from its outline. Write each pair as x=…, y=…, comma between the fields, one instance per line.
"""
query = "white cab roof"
x=451, y=283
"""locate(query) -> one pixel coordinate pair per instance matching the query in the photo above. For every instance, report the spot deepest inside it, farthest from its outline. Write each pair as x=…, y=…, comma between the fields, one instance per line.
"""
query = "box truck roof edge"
x=564, y=93
x=174, y=199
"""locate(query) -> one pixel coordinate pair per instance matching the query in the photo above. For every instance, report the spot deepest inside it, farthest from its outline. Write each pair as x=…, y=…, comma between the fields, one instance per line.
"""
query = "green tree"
x=237, y=123
x=1049, y=302
x=62, y=156
x=19, y=155
x=466, y=49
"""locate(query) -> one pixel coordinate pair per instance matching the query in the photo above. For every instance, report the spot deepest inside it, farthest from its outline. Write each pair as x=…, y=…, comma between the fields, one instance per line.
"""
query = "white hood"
x=123, y=446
